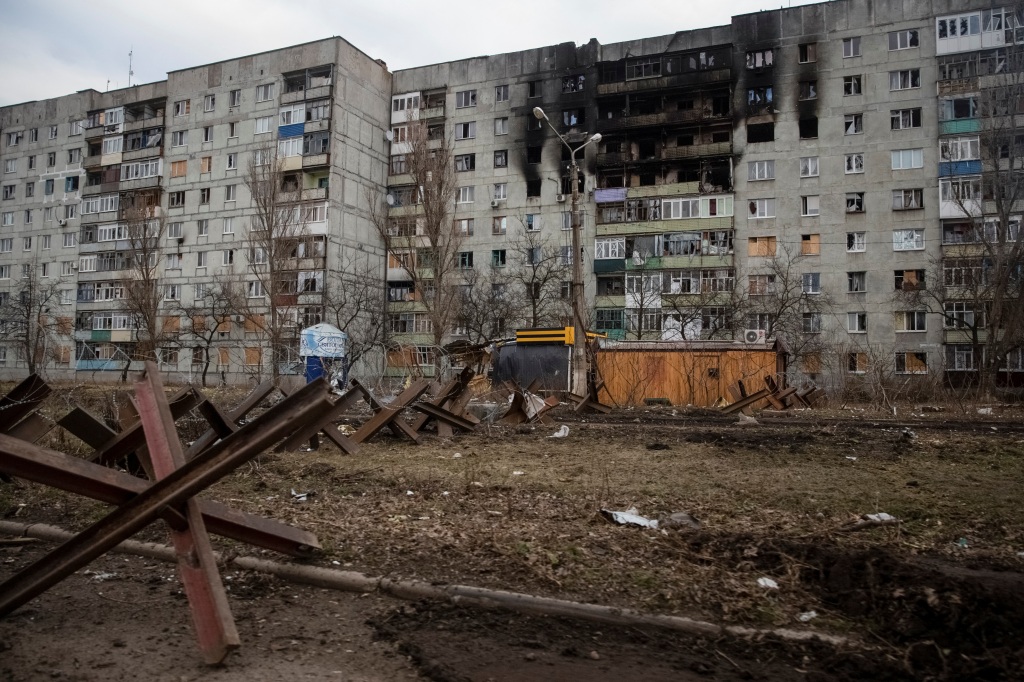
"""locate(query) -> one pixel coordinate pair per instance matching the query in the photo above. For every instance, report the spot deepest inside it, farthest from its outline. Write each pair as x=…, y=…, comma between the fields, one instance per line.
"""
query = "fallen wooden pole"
x=459, y=595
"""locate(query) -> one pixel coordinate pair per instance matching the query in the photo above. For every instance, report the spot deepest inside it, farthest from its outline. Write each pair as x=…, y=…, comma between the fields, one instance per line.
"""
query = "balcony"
x=145, y=153
x=92, y=162
x=610, y=301
x=143, y=183
x=102, y=188
x=661, y=82
x=964, y=125
x=609, y=265
x=94, y=133
x=316, y=161
x=143, y=123
x=663, y=226
x=695, y=115
x=666, y=154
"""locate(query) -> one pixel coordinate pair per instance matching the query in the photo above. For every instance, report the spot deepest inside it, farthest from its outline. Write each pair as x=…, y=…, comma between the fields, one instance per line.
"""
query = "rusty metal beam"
x=88, y=428
x=197, y=566
x=132, y=438
x=211, y=435
x=444, y=415
x=206, y=469
x=40, y=465
x=388, y=415
x=22, y=400
x=32, y=428
x=344, y=443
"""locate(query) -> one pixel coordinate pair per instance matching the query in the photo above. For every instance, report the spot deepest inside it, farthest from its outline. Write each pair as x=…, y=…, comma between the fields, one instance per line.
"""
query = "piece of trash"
x=101, y=576
x=746, y=420
x=961, y=543
x=851, y=458
x=409, y=492
x=457, y=455
x=984, y=410
x=346, y=429
x=630, y=517
x=477, y=484
x=680, y=520
x=807, y=616
x=907, y=434
x=561, y=432
x=518, y=473
x=301, y=497
x=446, y=493
x=1020, y=554
x=767, y=583
x=880, y=517
x=336, y=563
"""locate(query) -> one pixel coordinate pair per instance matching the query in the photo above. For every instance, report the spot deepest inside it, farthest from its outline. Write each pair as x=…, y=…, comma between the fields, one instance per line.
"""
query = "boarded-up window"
x=198, y=356
x=178, y=169
x=172, y=325
x=65, y=325
x=810, y=244
x=63, y=355
x=812, y=363
x=255, y=323
x=224, y=325
x=205, y=164
x=223, y=357
x=199, y=323
x=253, y=357
x=761, y=246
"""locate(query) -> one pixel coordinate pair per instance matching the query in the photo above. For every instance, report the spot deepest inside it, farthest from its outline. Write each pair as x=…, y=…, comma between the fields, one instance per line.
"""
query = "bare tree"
x=285, y=262
x=490, y=305
x=143, y=293
x=354, y=303
x=425, y=243
x=209, y=316
x=33, y=317
x=537, y=275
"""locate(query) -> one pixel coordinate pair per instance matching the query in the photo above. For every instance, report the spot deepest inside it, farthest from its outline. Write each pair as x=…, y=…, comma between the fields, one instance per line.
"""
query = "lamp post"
x=579, y=351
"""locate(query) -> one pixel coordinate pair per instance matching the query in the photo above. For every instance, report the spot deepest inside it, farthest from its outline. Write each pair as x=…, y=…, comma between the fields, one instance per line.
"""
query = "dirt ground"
x=938, y=596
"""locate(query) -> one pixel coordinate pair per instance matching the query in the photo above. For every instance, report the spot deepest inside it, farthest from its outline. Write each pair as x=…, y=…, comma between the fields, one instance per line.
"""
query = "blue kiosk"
x=324, y=349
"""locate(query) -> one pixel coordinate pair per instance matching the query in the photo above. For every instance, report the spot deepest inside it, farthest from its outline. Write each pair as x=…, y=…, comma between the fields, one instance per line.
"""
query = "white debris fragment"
x=518, y=473
x=984, y=410
x=457, y=455
x=851, y=458
x=630, y=517
x=767, y=583
x=409, y=492
x=807, y=616
x=561, y=432
x=300, y=497
x=445, y=493
x=880, y=517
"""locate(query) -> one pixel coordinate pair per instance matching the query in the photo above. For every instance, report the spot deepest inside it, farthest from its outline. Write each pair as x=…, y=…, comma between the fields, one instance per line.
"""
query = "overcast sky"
x=58, y=47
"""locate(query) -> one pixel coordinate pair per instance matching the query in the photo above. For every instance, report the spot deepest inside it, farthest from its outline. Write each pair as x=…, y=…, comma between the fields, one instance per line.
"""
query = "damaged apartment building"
x=794, y=172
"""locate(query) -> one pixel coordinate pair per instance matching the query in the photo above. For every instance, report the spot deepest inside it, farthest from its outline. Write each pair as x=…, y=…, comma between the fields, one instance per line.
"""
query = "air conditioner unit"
x=560, y=198
x=494, y=203
x=754, y=336
x=62, y=222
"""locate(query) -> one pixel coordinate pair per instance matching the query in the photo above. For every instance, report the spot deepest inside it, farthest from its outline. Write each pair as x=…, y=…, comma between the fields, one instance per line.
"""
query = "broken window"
x=573, y=83
x=809, y=128
x=759, y=59
x=759, y=99
x=760, y=132
x=855, y=202
x=808, y=89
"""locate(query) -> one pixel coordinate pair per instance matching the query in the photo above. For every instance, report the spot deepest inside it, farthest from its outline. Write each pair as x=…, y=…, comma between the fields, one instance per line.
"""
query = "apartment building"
x=799, y=173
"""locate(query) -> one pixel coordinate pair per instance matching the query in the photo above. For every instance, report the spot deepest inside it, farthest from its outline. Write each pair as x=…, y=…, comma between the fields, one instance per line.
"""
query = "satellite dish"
x=390, y=199
x=389, y=136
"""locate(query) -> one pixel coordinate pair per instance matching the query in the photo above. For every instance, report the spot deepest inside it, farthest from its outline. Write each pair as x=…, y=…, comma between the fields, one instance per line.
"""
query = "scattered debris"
x=962, y=543
x=767, y=583
x=518, y=473
x=779, y=398
x=301, y=497
x=908, y=435
x=871, y=521
x=680, y=520
x=984, y=410
x=851, y=458
x=629, y=517
x=562, y=432
x=746, y=420
x=807, y=616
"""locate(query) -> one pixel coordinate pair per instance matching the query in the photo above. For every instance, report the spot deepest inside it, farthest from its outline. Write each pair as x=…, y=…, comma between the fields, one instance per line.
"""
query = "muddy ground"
x=938, y=596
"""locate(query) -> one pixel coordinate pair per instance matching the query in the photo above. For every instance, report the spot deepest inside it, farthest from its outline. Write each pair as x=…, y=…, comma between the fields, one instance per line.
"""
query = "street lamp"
x=579, y=351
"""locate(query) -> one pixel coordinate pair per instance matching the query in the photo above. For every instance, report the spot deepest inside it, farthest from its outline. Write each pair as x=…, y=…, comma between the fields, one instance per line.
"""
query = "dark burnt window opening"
x=648, y=149
x=809, y=128
x=759, y=99
x=648, y=179
x=720, y=137
x=573, y=117
x=533, y=188
x=685, y=141
x=613, y=146
x=684, y=105
x=613, y=181
x=720, y=105
x=533, y=89
x=761, y=132
x=533, y=154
